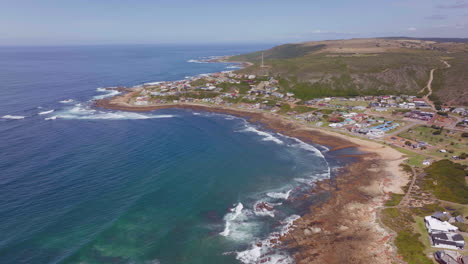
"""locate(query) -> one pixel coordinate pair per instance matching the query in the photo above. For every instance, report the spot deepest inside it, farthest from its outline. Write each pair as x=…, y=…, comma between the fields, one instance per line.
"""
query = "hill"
x=368, y=67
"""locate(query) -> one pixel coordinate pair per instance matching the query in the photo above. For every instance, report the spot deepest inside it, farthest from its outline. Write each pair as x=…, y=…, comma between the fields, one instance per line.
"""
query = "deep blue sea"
x=85, y=185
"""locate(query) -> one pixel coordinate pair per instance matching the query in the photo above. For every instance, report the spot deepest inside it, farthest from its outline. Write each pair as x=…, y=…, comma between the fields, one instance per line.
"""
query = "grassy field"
x=451, y=141
x=344, y=68
x=407, y=241
x=414, y=159
x=394, y=200
x=349, y=103
x=446, y=180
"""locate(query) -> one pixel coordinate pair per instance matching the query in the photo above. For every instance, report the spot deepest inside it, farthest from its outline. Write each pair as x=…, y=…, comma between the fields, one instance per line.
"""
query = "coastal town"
x=431, y=137
x=388, y=118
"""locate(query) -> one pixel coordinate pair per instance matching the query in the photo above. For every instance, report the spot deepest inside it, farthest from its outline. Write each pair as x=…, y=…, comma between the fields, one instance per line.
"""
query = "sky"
x=74, y=22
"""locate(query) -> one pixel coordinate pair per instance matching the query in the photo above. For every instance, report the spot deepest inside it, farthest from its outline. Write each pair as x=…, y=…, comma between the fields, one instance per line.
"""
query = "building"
x=446, y=257
x=442, y=233
x=447, y=240
x=435, y=225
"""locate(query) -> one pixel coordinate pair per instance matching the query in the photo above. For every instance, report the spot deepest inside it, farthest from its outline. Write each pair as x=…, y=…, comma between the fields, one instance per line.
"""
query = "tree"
x=408, y=143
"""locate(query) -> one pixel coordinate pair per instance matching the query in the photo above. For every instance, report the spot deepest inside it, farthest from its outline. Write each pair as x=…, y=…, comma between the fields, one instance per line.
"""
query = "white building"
x=435, y=225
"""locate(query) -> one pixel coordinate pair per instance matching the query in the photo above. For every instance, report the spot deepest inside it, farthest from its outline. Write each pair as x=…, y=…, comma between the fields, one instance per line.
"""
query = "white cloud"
x=411, y=29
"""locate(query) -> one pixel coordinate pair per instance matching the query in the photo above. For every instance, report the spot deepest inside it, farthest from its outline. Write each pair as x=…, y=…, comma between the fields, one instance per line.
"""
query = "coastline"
x=345, y=228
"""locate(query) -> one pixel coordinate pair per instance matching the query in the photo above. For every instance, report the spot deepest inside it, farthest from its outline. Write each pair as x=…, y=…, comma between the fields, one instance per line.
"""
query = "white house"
x=435, y=225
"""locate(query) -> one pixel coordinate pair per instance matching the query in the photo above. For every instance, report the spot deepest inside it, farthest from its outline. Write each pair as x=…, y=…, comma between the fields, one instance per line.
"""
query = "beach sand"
x=345, y=228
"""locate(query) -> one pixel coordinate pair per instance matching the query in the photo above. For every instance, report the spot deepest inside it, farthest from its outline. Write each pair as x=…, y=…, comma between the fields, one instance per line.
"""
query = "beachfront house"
x=448, y=240
x=442, y=233
x=435, y=225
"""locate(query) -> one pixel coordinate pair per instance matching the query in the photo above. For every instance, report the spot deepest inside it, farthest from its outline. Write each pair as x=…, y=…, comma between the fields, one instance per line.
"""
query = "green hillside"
x=365, y=67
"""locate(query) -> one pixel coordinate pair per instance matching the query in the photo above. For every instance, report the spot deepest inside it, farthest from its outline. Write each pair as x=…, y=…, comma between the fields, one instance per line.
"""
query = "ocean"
x=86, y=185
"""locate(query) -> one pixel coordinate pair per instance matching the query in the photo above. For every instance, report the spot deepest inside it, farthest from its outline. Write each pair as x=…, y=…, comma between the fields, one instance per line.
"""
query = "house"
x=446, y=257
x=442, y=216
x=375, y=133
x=427, y=162
x=457, y=219
x=447, y=240
x=435, y=225
x=459, y=110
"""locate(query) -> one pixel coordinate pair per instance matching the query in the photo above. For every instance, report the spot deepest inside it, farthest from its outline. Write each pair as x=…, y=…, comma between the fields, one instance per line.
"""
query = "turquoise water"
x=171, y=186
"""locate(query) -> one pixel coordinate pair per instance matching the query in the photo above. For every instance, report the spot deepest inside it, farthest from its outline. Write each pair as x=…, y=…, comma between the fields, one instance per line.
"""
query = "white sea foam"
x=51, y=118
x=108, y=93
x=301, y=144
x=263, y=211
x=46, y=112
x=197, y=61
x=67, y=101
x=308, y=147
x=266, y=136
x=232, y=216
x=81, y=112
x=279, y=195
x=240, y=225
x=263, y=251
x=306, y=181
x=14, y=117
x=233, y=67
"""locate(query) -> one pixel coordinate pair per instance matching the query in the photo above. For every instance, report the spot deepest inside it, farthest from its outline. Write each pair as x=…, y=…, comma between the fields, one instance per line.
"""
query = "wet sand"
x=343, y=229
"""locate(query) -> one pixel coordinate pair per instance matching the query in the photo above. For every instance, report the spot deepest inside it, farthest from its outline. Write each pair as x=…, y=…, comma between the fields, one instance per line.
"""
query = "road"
x=404, y=200
x=429, y=85
x=429, y=88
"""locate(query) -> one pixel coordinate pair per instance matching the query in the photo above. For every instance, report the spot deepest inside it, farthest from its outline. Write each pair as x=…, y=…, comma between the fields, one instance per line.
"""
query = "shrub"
x=446, y=180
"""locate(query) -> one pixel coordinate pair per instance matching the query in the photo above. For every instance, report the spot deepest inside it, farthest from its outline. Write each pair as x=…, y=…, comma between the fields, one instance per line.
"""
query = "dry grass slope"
x=367, y=66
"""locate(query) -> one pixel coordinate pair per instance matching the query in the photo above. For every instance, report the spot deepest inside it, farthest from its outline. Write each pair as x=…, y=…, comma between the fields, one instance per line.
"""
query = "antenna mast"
x=263, y=65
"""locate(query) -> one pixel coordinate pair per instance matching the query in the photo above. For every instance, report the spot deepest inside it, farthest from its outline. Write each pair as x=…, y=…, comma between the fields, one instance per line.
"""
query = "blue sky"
x=62, y=22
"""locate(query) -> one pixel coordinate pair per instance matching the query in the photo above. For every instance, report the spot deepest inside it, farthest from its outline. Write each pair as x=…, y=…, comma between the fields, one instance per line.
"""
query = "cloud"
x=436, y=17
x=411, y=29
x=455, y=5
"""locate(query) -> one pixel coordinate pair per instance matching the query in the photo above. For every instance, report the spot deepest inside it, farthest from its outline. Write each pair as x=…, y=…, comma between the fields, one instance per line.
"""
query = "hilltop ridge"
x=368, y=67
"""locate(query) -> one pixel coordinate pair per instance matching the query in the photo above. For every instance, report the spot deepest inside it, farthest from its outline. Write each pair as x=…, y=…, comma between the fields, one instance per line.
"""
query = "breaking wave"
x=67, y=101
x=83, y=112
x=232, y=216
x=13, y=117
x=280, y=195
x=263, y=251
x=266, y=136
x=107, y=93
x=301, y=144
x=51, y=118
x=46, y=112
x=197, y=61
x=239, y=225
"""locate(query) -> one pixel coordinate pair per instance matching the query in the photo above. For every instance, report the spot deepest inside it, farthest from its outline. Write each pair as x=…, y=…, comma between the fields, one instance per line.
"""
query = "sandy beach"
x=345, y=228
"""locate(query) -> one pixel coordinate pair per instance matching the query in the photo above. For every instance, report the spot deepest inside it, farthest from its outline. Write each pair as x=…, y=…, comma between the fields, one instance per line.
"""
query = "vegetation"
x=439, y=138
x=446, y=180
x=395, y=199
x=317, y=69
x=407, y=241
x=286, y=51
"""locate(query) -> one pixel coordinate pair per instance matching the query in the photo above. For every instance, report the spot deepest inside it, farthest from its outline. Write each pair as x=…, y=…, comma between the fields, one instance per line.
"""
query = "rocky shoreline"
x=343, y=229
